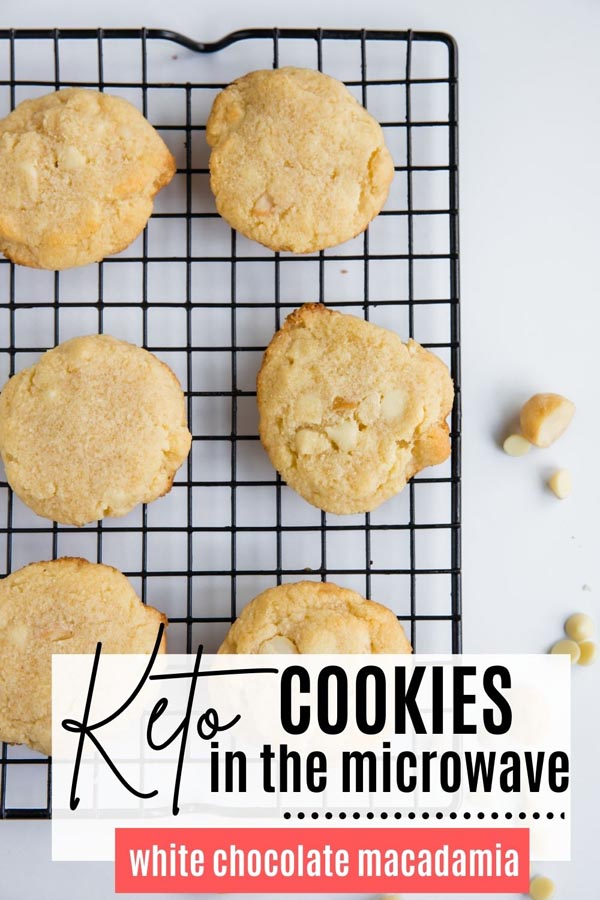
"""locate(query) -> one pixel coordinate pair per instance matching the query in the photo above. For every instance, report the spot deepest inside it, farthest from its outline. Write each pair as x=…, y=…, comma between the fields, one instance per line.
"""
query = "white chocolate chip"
x=344, y=435
x=311, y=442
x=72, y=159
x=125, y=132
x=18, y=635
x=263, y=205
x=579, y=627
x=567, y=647
x=545, y=417
x=278, y=644
x=369, y=408
x=561, y=483
x=392, y=404
x=309, y=408
x=516, y=445
x=541, y=888
x=588, y=653
x=55, y=635
x=31, y=177
x=301, y=349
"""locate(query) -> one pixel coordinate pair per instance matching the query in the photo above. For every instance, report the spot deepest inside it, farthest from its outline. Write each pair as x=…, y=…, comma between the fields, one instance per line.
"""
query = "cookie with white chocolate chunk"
x=348, y=412
x=314, y=617
x=92, y=429
x=296, y=163
x=78, y=173
x=64, y=606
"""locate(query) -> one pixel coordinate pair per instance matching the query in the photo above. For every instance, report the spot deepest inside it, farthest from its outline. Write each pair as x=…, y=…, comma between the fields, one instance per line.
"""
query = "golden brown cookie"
x=348, y=413
x=297, y=163
x=313, y=617
x=78, y=172
x=65, y=606
x=96, y=427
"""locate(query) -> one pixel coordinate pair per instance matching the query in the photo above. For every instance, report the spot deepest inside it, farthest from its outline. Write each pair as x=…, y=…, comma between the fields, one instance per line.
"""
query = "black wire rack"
x=207, y=301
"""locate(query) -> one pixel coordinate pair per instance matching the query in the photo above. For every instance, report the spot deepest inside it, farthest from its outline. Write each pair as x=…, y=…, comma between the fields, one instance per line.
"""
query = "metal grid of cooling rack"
x=207, y=301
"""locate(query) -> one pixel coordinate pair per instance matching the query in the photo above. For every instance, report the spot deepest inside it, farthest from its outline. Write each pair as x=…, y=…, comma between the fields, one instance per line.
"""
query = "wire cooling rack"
x=207, y=301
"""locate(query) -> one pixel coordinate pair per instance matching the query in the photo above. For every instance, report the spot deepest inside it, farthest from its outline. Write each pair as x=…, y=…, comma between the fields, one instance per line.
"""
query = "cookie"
x=94, y=428
x=348, y=412
x=78, y=173
x=312, y=617
x=296, y=163
x=65, y=606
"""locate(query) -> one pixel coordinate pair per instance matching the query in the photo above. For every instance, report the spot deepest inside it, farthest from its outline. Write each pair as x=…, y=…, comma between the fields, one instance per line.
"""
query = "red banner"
x=351, y=860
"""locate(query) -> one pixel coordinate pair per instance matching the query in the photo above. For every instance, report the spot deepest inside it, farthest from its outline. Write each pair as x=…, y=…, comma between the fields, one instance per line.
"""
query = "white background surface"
x=530, y=190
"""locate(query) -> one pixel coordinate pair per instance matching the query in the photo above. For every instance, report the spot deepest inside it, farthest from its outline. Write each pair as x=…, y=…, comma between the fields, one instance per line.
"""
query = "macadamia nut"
x=545, y=417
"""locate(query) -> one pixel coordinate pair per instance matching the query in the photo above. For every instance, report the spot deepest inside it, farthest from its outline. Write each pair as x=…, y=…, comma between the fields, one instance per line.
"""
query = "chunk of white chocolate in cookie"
x=264, y=205
x=18, y=635
x=278, y=644
x=392, y=404
x=344, y=436
x=309, y=408
x=29, y=172
x=310, y=442
x=71, y=158
x=369, y=409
